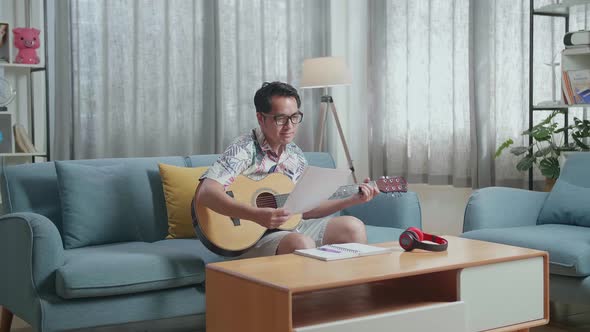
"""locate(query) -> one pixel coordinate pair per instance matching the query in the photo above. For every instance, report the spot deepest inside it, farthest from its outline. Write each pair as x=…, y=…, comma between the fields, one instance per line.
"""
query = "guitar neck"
x=396, y=186
x=348, y=190
x=342, y=192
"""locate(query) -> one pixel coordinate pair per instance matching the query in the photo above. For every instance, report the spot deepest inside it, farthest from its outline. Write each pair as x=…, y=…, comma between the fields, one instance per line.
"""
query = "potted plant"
x=548, y=146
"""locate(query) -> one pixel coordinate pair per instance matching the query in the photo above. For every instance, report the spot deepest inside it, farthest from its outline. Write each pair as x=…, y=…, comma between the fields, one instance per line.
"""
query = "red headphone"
x=412, y=239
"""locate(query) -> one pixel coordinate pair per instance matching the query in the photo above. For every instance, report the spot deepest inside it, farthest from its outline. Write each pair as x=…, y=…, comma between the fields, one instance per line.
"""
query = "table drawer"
x=447, y=316
x=503, y=294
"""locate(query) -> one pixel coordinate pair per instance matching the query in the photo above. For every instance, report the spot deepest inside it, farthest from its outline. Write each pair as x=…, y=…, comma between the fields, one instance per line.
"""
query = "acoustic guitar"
x=232, y=237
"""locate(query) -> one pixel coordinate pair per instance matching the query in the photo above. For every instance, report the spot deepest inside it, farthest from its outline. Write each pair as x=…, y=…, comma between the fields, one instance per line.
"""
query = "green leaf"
x=550, y=167
x=526, y=163
x=517, y=151
x=504, y=146
x=578, y=140
x=545, y=151
x=542, y=134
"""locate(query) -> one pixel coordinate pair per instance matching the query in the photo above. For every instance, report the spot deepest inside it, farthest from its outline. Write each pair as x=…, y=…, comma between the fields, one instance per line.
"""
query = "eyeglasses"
x=281, y=120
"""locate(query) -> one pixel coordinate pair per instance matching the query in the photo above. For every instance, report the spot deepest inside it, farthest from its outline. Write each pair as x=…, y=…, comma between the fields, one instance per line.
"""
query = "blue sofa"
x=557, y=222
x=147, y=279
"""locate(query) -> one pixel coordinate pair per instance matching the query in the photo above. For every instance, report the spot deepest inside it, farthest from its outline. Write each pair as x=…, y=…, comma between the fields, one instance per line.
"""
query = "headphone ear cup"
x=407, y=240
x=418, y=232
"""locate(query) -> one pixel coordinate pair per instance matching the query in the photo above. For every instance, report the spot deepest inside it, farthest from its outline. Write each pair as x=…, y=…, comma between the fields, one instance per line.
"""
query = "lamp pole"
x=329, y=104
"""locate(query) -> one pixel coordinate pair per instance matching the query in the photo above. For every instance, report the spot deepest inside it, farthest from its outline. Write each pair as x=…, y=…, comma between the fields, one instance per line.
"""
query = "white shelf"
x=583, y=50
x=557, y=106
x=23, y=154
x=560, y=8
x=19, y=65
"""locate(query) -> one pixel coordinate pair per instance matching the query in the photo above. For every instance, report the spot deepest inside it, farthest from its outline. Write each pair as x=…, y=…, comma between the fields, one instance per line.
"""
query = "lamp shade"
x=324, y=72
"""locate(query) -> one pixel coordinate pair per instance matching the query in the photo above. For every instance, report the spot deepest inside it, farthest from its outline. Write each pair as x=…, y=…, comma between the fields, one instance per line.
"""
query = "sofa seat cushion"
x=568, y=246
x=131, y=267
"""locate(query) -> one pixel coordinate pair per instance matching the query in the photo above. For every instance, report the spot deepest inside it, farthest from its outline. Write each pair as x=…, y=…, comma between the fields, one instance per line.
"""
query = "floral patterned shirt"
x=251, y=155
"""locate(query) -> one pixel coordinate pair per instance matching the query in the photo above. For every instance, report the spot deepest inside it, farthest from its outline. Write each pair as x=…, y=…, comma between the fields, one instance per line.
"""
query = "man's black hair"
x=263, y=97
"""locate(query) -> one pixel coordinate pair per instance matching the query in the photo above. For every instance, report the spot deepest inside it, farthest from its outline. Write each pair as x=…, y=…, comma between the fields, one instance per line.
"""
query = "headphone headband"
x=412, y=239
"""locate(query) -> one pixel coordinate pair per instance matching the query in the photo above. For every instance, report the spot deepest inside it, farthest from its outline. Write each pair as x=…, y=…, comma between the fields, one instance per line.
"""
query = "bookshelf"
x=30, y=108
x=558, y=9
x=570, y=58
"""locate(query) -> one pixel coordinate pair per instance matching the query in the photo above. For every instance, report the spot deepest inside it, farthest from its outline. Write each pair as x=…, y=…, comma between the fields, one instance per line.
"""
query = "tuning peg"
x=382, y=177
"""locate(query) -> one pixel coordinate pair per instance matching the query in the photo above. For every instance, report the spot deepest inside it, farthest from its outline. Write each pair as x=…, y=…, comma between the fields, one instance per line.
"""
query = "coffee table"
x=474, y=286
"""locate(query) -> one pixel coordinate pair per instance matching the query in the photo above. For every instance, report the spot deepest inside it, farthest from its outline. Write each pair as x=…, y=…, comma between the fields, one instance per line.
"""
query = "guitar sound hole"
x=266, y=200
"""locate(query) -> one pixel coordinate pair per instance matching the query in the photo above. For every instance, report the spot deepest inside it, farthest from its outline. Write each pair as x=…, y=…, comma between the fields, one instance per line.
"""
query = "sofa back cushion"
x=569, y=200
x=95, y=204
x=31, y=188
x=179, y=189
x=34, y=188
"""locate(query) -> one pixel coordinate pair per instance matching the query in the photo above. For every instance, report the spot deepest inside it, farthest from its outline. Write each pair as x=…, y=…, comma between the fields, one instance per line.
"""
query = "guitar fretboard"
x=343, y=192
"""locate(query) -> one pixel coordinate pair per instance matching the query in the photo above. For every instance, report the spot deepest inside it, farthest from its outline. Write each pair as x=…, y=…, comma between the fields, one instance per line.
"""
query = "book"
x=6, y=133
x=331, y=252
x=581, y=37
x=579, y=80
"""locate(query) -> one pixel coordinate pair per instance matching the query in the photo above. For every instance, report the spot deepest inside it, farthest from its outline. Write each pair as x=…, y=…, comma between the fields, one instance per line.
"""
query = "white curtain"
x=445, y=81
x=450, y=82
x=176, y=77
x=419, y=69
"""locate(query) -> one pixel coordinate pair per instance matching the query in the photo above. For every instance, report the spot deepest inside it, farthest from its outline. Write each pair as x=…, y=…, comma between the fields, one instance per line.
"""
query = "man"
x=269, y=149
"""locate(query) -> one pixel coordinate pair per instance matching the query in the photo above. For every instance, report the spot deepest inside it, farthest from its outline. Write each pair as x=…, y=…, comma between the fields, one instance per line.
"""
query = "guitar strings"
x=281, y=199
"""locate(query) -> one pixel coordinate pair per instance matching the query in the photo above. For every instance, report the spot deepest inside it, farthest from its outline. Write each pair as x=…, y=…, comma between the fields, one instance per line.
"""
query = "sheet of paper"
x=316, y=185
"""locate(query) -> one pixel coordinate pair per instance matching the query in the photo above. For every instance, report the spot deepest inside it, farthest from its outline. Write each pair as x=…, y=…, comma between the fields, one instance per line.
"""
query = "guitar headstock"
x=393, y=184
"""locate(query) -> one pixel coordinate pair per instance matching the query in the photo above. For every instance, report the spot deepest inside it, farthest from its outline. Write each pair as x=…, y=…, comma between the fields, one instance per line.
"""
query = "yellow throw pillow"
x=179, y=190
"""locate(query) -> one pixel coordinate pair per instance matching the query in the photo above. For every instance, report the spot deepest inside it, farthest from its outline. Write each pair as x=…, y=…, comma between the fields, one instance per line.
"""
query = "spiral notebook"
x=331, y=252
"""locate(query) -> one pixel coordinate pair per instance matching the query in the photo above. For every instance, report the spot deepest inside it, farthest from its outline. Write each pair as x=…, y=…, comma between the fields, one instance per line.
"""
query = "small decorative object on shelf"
x=4, y=57
x=5, y=133
x=7, y=93
x=26, y=40
x=22, y=140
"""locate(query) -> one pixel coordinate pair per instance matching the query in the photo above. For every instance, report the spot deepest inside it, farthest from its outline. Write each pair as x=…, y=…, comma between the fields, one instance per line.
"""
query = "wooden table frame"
x=296, y=293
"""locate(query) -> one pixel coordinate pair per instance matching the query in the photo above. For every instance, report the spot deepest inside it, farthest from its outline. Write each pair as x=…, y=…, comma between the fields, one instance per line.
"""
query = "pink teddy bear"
x=27, y=42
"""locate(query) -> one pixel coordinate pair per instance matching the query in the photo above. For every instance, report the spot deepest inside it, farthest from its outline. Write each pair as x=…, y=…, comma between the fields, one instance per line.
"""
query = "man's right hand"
x=272, y=218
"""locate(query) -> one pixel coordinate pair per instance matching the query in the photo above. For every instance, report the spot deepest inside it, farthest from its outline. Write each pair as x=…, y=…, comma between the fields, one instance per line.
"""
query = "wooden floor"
x=575, y=319
x=581, y=321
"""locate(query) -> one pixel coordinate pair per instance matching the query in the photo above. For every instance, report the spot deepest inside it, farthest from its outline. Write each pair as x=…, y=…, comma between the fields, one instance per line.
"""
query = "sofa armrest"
x=500, y=207
x=386, y=210
x=31, y=250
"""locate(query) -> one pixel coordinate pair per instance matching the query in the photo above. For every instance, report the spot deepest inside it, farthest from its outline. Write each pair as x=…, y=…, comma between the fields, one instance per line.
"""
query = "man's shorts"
x=269, y=243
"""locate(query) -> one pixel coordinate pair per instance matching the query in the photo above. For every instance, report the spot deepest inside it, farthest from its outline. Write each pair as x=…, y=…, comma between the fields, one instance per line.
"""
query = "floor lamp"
x=323, y=73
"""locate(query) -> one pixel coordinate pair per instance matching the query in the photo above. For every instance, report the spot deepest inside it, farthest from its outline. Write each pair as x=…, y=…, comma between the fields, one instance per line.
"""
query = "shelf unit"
x=559, y=10
x=17, y=71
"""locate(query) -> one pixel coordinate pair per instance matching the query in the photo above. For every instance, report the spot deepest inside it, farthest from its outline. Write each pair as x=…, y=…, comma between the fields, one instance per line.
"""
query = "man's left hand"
x=367, y=192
